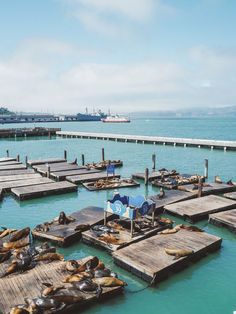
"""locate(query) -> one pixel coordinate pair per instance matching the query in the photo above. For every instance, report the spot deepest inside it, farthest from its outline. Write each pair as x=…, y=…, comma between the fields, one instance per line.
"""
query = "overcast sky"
x=126, y=55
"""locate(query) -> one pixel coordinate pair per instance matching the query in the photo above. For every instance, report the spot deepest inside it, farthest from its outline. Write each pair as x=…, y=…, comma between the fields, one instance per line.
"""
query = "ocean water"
x=207, y=287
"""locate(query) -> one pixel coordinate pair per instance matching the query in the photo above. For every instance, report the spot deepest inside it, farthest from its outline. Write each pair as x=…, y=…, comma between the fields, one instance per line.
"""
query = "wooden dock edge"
x=216, y=221
x=57, y=240
x=174, y=268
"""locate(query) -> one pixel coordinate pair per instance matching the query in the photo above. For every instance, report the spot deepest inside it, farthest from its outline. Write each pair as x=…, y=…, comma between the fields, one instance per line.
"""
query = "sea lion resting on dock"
x=20, y=309
x=6, y=232
x=50, y=289
x=49, y=257
x=64, y=220
x=17, y=244
x=5, y=256
x=178, y=253
x=19, y=234
x=109, y=282
x=170, y=231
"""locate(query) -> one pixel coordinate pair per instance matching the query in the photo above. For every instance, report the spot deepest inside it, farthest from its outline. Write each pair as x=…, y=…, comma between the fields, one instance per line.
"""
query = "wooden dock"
x=29, y=284
x=25, y=176
x=225, y=219
x=148, y=260
x=208, y=188
x=24, y=132
x=124, y=238
x=40, y=190
x=171, y=196
x=12, y=167
x=153, y=175
x=111, y=183
x=65, y=235
x=199, y=208
x=6, y=159
x=156, y=140
x=54, y=167
x=62, y=175
x=231, y=195
x=174, y=182
x=36, y=162
x=16, y=172
x=8, y=185
x=88, y=177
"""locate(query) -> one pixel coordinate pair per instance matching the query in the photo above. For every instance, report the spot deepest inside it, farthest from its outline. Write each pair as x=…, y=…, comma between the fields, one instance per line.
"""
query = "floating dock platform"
x=29, y=284
x=54, y=167
x=199, y=208
x=173, y=182
x=88, y=177
x=171, y=196
x=111, y=184
x=62, y=175
x=8, y=185
x=156, y=140
x=225, y=219
x=40, y=190
x=65, y=235
x=152, y=175
x=36, y=162
x=208, y=188
x=231, y=195
x=24, y=132
x=148, y=260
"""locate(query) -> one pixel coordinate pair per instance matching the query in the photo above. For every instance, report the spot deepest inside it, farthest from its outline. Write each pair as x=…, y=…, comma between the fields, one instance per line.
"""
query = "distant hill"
x=5, y=111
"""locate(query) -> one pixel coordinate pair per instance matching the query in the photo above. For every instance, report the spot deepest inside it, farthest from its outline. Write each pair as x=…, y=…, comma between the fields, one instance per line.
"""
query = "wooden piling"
x=146, y=176
x=206, y=169
x=103, y=154
x=153, y=161
x=82, y=157
x=26, y=161
x=18, y=158
x=199, y=187
x=7, y=151
x=48, y=171
x=65, y=154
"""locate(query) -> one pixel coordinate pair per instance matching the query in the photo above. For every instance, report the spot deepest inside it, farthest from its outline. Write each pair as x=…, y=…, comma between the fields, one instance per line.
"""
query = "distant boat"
x=95, y=116
x=115, y=119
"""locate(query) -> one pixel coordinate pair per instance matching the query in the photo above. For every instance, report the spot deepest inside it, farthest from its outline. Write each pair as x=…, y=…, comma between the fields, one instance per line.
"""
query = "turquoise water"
x=207, y=286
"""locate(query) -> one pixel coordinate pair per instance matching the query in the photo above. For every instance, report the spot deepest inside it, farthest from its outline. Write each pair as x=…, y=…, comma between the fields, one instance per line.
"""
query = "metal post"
x=48, y=171
x=199, y=187
x=206, y=169
x=7, y=151
x=82, y=157
x=65, y=154
x=103, y=154
x=146, y=175
x=132, y=228
x=26, y=161
x=18, y=158
x=154, y=161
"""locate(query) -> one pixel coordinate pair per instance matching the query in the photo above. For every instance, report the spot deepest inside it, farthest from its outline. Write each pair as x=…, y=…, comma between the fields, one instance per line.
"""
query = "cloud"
x=30, y=83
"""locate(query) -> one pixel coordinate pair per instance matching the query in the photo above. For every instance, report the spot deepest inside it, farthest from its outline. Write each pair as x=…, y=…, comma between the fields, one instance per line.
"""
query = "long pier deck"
x=199, y=208
x=148, y=260
x=88, y=177
x=204, y=143
x=29, y=284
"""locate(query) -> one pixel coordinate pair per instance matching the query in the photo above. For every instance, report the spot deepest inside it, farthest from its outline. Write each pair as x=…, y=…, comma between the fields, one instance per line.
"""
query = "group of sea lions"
x=179, y=227
x=102, y=164
x=86, y=278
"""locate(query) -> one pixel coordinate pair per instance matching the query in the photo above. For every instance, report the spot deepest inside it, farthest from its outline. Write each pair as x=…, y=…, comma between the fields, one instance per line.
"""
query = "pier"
x=156, y=140
x=226, y=219
x=25, y=132
x=148, y=260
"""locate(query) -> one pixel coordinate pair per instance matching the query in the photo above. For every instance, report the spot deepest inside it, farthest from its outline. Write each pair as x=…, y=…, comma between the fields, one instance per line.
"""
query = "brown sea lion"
x=11, y=269
x=50, y=289
x=19, y=234
x=170, y=231
x=49, y=257
x=100, y=265
x=90, y=264
x=67, y=299
x=5, y=256
x=191, y=228
x=163, y=220
x=114, y=225
x=16, y=245
x=3, y=250
x=72, y=265
x=19, y=310
x=109, y=238
x=64, y=220
x=74, y=278
x=109, y=282
x=178, y=253
x=6, y=232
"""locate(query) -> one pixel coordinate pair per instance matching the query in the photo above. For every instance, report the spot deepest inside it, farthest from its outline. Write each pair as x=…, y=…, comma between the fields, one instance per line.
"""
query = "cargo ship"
x=95, y=116
x=115, y=119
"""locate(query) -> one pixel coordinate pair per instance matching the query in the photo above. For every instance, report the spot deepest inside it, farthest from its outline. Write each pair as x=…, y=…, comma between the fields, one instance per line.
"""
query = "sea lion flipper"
x=47, y=284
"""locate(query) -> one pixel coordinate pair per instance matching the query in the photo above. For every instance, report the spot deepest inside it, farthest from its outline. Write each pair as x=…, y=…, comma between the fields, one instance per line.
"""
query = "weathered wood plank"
x=65, y=235
x=29, y=284
x=7, y=186
x=88, y=177
x=153, y=175
x=199, y=208
x=20, y=177
x=12, y=167
x=170, y=197
x=148, y=259
x=225, y=219
x=231, y=195
x=16, y=172
x=56, y=167
x=41, y=190
x=61, y=175
x=45, y=161
x=6, y=159
x=209, y=188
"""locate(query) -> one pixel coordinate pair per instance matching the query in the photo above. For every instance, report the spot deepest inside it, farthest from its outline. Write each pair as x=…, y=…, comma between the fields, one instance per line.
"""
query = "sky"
x=61, y=56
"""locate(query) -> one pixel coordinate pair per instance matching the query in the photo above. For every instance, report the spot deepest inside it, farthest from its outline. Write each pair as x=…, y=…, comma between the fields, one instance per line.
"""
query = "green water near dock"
x=207, y=287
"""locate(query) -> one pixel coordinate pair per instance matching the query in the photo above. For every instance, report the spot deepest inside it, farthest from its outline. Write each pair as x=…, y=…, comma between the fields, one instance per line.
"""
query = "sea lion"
x=19, y=310
x=72, y=265
x=100, y=265
x=3, y=250
x=50, y=289
x=42, y=227
x=74, y=278
x=164, y=221
x=170, y=231
x=5, y=256
x=11, y=269
x=49, y=257
x=161, y=194
x=109, y=238
x=67, y=298
x=114, y=225
x=104, y=229
x=89, y=265
x=178, y=253
x=88, y=286
x=191, y=228
x=6, y=232
x=19, y=234
x=64, y=220
x=17, y=244
x=109, y=282
x=218, y=180
x=102, y=273
x=41, y=304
